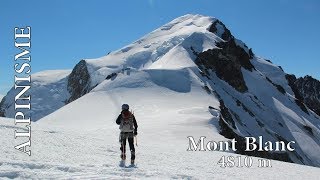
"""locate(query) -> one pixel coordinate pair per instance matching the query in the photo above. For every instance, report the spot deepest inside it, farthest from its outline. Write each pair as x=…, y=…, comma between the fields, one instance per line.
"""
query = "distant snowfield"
x=80, y=140
x=1, y=96
x=48, y=93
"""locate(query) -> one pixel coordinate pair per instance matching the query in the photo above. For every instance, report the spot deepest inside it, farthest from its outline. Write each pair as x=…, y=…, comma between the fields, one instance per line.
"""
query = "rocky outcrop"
x=78, y=81
x=227, y=63
x=236, y=54
x=291, y=81
x=229, y=45
x=222, y=31
x=309, y=88
x=227, y=118
x=306, y=91
x=226, y=60
x=2, y=108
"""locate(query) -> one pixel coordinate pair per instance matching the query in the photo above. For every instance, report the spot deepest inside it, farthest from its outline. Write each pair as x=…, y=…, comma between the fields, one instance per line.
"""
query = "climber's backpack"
x=126, y=124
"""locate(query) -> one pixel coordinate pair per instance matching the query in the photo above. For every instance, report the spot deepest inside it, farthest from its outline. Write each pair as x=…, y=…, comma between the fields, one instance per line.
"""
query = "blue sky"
x=64, y=32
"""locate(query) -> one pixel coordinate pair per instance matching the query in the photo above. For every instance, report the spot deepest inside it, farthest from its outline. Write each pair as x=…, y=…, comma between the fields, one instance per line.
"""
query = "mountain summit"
x=190, y=75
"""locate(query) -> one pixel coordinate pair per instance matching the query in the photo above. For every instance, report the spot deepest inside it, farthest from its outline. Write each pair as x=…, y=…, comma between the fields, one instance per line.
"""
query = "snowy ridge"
x=48, y=93
x=154, y=49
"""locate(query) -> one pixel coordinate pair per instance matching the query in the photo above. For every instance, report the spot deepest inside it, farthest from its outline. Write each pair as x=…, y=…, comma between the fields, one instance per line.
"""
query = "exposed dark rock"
x=309, y=88
x=279, y=88
x=2, y=108
x=291, y=80
x=226, y=115
x=225, y=130
x=280, y=124
x=226, y=35
x=260, y=123
x=78, y=81
x=112, y=75
x=204, y=74
x=231, y=48
x=236, y=54
x=225, y=69
x=193, y=51
x=251, y=53
x=269, y=61
x=226, y=60
x=210, y=107
x=309, y=129
x=299, y=98
x=207, y=89
x=281, y=68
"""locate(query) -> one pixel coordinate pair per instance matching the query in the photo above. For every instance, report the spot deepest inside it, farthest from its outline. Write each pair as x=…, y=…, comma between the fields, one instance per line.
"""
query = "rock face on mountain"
x=308, y=90
x=227, y=59
x=51, y=90
x=299, y=98
x=2, y=107
x=78, y=81
x=196, y=55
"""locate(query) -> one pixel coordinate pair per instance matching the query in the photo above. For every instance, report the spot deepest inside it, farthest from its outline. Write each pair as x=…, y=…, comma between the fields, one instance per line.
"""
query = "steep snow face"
x=1, y=96
x=48, y=93
x=167, y=47
x=267, y=108
x=278, y=117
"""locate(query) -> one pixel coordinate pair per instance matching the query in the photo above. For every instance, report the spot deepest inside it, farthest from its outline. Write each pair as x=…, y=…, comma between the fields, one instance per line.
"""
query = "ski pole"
x=123, y=148
x=136, y=140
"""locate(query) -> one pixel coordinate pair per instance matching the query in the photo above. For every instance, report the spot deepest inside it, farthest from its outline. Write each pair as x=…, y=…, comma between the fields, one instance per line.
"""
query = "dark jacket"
x=118, y=121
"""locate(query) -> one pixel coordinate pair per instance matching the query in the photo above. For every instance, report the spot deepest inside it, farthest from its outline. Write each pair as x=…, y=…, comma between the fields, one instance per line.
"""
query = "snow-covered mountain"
x=190, y=77
x=48, y=93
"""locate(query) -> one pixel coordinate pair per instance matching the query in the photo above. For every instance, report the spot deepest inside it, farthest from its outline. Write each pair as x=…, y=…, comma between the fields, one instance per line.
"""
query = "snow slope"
x=165, y=48
x=1, y=96
x=48, y=93
x=74, y=152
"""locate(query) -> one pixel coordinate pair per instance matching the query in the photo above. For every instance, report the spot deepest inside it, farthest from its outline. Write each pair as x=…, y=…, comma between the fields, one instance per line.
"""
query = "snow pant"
x=123, y=139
